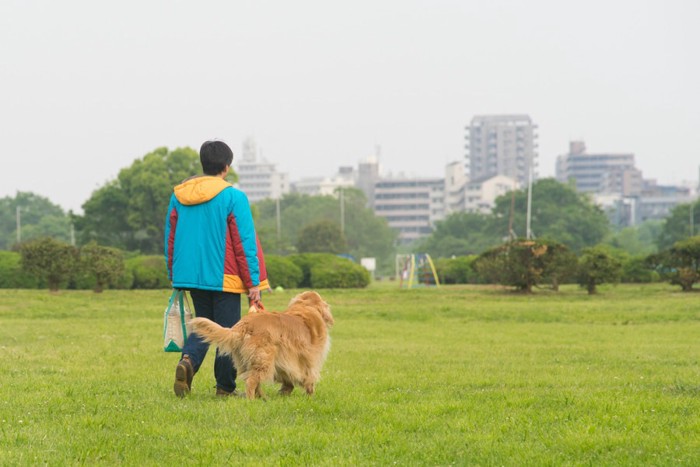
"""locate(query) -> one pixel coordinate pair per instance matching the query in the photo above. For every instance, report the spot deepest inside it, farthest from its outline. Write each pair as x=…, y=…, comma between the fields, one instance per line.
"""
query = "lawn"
x=468, y=375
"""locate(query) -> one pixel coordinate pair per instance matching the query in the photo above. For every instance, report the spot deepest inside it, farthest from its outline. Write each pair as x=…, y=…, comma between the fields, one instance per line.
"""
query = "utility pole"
x=342, y=211
x=528, y=231
x=511, y=232
x=692, y=219
x=279, y=226
x=19, y=225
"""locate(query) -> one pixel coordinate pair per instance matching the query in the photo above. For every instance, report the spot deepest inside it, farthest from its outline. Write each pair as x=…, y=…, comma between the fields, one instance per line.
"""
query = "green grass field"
x=456, y=375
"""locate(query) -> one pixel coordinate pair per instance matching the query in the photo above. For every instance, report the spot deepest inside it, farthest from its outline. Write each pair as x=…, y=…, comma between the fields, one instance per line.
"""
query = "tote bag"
x=175, y=320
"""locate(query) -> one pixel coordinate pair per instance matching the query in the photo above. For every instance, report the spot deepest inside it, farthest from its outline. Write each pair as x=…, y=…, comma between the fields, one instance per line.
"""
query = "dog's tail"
x=212, y=333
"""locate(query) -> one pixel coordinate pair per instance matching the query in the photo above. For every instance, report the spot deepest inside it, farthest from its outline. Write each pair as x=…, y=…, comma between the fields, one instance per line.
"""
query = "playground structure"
x=416, y=270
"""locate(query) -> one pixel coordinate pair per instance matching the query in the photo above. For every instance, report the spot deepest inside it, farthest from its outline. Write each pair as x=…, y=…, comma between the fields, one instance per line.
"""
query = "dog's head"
x=313, y=300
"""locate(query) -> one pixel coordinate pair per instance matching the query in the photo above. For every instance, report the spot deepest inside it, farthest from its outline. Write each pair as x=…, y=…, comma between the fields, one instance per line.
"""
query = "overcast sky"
x=89, y=86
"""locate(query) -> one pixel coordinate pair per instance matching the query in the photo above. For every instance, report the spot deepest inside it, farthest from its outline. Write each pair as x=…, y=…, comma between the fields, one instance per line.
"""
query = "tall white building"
x=502, y=145
x=258, y=178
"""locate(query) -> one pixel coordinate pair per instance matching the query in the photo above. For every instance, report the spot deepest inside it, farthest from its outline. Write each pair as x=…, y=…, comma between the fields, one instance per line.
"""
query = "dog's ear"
x=326, y=315
x=252, y=309
x=308, y=296
x=324, y=309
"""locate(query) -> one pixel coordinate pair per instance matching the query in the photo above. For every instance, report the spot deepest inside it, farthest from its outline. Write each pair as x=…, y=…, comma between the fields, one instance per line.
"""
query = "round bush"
x=339, y=274
x=282, y=271
x=456, y=270
x=306, y=261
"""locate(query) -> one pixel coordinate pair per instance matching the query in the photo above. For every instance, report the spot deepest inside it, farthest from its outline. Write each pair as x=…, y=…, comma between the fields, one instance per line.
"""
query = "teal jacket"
x=210, y=239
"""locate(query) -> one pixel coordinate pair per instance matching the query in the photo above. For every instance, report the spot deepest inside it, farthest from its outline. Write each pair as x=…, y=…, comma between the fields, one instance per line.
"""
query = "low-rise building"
x=315, y=186
x=480, y=195
x=411, y=206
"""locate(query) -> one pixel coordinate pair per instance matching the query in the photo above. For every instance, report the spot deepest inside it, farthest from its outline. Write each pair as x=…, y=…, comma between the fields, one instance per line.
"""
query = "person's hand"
x=254, y=294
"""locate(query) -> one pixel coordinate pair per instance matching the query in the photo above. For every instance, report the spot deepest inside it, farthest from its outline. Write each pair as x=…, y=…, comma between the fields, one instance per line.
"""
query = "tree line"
x=128, y=214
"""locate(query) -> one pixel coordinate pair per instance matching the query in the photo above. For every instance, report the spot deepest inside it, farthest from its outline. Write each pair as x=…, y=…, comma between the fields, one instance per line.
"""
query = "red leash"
x=258, y=305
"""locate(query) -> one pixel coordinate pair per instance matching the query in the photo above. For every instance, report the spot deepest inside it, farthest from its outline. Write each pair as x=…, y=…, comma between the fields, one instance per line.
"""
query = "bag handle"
x=182, y=296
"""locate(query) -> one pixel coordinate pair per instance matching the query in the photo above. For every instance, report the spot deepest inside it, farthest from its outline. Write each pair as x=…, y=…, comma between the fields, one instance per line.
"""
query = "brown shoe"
x=221, y=393
x=183, y=377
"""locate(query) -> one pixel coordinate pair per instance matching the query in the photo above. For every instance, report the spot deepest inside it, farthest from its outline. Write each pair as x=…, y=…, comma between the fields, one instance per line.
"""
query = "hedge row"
x=310, y=270
x=315, y=271
x=140, y=272
x=460, y=270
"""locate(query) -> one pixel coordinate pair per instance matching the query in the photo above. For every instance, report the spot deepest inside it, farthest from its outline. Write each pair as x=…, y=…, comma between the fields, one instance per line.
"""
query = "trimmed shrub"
x=12, y=276
x=525, y=264
x=324, y=270
x=104, y=264
x=597, y=266
x=679, y=265
x=305, y=261
x=282, y=271
x=50, y=260
x=148, y=272
x=342, y=274
x=457, y=270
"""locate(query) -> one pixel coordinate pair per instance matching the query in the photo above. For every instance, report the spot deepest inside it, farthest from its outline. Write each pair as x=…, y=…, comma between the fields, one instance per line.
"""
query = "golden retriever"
x=288, y=347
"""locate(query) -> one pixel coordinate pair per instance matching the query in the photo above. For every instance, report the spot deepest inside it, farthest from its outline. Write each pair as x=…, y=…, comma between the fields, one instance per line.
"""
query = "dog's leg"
x=252, y=385
x=310, y=387
x=287, y=388
x=259, y=392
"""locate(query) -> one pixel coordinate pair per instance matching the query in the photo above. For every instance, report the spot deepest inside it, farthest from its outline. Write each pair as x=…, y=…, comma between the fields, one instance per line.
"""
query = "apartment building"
x=411, y=206
x=601, y=173
x=502, y=145
x=258, y=178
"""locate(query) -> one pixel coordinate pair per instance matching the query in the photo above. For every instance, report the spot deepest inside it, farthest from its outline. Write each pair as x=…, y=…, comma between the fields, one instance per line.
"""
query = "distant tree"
x=677, y=225
x=129, y=212
x=39, y=217
x=597, y=266
x=105, y=264
x=638, y=240
x=105, y=218
x=461, y=234
x=367, y=235
x=559, y=213
x=50, y=260
x=321, y=237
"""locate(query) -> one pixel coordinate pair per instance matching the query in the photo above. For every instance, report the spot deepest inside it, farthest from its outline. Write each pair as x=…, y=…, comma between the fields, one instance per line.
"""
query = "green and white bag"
x=176, y=317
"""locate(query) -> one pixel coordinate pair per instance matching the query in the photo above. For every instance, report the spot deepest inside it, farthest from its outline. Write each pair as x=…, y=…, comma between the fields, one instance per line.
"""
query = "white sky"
x=88, y=86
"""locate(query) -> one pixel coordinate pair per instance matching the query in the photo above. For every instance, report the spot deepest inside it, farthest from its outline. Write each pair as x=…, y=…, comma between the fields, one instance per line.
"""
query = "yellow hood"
x=199, y=190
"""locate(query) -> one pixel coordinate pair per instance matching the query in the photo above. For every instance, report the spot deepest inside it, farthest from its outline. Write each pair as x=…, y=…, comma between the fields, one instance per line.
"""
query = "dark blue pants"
x=223, y=308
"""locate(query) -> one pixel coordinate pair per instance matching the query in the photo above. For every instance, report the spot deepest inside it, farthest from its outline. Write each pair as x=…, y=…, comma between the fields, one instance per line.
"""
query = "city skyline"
x=90, y=87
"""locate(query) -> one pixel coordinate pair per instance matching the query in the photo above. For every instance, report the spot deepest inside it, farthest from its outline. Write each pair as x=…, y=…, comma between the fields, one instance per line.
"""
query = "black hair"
x=215, y=156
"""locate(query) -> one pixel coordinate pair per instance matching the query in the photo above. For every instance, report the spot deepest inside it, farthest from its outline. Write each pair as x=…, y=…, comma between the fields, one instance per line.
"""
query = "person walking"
x=212, y=250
